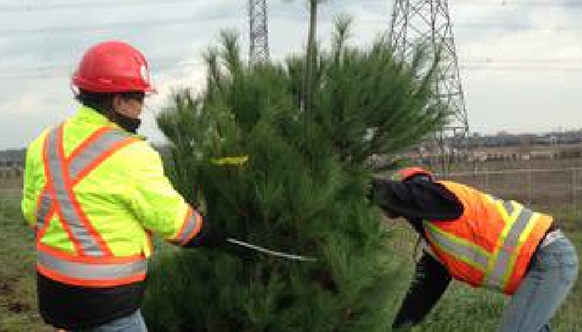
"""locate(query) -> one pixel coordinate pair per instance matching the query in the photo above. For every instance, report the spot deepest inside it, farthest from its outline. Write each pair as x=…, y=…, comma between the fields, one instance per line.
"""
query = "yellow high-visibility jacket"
x=93, y=193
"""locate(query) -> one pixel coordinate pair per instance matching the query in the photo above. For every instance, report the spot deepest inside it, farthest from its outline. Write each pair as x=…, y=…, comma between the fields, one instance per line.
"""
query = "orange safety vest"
x=491, y=243
x=92, y=264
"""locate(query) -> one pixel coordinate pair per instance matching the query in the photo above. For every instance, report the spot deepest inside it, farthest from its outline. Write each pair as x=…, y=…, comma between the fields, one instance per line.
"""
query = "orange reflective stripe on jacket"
x=491, y=244
x=93, y=263
x=190, y=228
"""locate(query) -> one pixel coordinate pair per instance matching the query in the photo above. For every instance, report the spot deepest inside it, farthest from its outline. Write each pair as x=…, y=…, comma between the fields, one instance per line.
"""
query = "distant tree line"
x=508, y=139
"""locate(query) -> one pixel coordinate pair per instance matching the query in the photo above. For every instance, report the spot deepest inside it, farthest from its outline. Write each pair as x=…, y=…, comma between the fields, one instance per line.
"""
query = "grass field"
x=17, y=284
x=462, y=309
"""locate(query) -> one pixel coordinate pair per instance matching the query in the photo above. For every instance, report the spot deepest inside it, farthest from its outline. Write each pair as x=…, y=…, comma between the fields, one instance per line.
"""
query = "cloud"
x=42, y=43
x=25, y=114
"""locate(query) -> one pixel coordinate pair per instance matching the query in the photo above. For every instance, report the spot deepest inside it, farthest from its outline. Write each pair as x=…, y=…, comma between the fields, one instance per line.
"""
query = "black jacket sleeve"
x=416, y=199
x=430, y=282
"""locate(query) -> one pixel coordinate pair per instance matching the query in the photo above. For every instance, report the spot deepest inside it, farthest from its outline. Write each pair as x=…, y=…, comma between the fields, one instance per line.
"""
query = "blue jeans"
x=130, y=323
x=552, y=274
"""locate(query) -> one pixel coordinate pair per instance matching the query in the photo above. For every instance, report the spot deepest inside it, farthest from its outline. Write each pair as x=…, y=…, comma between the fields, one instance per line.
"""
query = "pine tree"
x=268, y=172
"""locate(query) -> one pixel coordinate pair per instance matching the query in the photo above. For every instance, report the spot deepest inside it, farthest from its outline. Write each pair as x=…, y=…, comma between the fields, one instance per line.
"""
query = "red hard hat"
x=113, y=66
x=407, y=173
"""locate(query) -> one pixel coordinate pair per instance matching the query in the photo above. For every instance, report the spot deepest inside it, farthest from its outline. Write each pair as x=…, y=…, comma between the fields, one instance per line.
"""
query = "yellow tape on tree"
x=230, y=161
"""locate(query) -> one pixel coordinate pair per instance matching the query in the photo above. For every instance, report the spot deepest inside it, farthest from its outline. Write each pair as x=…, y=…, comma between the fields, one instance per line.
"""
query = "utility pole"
x=259, y=39
x=428, y=23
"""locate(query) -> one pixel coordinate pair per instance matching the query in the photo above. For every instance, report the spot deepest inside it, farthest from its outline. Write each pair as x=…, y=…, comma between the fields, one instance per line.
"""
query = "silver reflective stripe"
x=189, y=228
x=45, y=207
x=80, y=233
x=88, y=244
x=77, y=165
x=466, y=253
x=508, y=206
x=85, y=271
x=96, y=148
x=503, y=259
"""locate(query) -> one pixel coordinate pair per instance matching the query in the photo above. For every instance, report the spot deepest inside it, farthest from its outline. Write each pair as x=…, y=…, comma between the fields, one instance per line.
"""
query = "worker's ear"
x=117, y=102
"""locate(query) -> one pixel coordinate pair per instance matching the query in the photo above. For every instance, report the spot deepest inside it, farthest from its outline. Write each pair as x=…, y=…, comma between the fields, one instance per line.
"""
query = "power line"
x=192, y=20
x=36, y=7
x=465, y=67
x=52, y=70
x=512, y=26
x=528, y=3
x=548, y=69
x=523, y=64
x=515, y=64
x=110, y=26
x=489, y=60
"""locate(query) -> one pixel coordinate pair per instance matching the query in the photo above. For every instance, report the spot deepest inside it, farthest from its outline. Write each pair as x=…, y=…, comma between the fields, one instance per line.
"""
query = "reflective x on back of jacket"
x=92, y=264
x=491, y=243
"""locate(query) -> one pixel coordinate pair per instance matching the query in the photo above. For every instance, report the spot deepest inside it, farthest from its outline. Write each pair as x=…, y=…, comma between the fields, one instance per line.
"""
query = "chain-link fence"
x=552, y=190
x=11, y=172
x=12, y=165
x=547, y=189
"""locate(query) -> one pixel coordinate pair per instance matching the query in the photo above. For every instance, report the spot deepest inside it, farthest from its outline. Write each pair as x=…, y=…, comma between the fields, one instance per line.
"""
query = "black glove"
x=213, y=237
x=209, y=236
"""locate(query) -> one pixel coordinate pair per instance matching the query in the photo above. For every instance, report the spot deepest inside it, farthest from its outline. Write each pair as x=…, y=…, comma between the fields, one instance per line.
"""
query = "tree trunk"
x=310, y=56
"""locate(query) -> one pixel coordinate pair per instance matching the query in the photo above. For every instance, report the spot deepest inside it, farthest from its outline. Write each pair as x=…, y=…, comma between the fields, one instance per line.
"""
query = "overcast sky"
x=520, y=61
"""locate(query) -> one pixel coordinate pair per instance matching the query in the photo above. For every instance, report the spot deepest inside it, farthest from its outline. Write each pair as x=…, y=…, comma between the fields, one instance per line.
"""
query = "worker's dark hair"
x=103, y=101
x=100, y=101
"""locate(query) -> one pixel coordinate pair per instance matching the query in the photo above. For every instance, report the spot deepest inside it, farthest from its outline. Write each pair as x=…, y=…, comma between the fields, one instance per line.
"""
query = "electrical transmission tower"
x=259, y=39
x=427, y=23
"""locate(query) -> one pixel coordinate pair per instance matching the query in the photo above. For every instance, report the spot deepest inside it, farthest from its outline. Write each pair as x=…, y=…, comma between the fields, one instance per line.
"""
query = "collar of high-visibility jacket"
x=92, y=116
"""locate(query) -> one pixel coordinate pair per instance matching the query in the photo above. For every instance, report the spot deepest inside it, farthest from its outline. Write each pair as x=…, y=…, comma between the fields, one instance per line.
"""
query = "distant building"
x=12, y=163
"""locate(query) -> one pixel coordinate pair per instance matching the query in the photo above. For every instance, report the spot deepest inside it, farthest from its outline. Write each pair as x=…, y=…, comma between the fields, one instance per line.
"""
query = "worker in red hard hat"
x=113, y=78
x=482, y=240
x=94, y=192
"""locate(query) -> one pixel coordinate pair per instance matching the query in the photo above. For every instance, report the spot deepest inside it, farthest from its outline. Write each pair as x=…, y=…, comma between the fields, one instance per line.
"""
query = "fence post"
x=529, y=187
x=574, y=188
